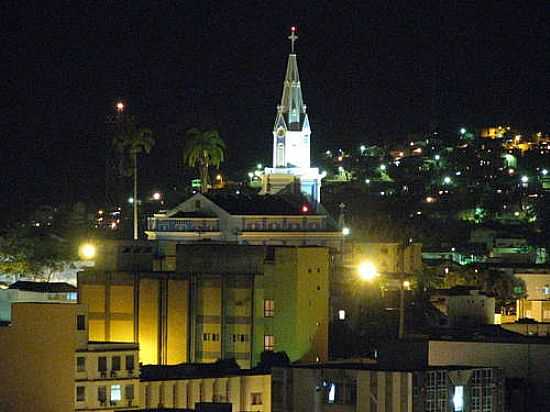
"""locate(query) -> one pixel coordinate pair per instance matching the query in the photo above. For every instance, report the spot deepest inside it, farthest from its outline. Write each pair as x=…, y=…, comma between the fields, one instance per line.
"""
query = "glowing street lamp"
x=120, y=107
x=87, y=251
x=447, y=180
x=157, y=196
x=367, y=271
x=346, y=231
x=524, y=179
x=382, y=167
x=259, y=166
x=544, y=172
x=462, y=131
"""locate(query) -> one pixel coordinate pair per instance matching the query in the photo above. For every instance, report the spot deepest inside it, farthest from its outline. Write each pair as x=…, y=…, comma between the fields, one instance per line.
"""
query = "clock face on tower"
x=280, y=132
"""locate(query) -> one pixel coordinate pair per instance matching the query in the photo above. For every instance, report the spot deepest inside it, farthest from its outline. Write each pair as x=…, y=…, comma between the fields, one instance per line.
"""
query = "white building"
x=107, y=376
x=27, y=291
x=291, y=169
x=464, y=306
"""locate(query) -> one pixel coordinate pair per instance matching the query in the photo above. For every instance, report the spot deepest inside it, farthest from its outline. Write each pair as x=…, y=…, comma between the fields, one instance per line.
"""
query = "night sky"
x=370, y=71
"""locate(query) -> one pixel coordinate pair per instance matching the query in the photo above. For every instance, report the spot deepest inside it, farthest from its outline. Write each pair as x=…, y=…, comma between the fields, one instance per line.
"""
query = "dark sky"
x=369, y=70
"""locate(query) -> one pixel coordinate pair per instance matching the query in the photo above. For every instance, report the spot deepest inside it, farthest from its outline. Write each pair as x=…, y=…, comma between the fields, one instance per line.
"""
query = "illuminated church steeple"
x=291, y=131
x=291, y=169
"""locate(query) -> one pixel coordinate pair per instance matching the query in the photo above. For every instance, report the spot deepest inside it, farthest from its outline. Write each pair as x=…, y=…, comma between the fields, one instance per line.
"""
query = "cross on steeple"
x=293, y=37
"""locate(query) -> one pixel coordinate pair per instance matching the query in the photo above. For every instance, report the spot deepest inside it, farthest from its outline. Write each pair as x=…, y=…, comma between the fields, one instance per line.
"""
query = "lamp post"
x=368, y=272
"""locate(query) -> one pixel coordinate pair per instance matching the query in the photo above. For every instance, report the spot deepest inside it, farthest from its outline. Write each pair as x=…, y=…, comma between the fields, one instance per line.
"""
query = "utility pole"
x=402, y=248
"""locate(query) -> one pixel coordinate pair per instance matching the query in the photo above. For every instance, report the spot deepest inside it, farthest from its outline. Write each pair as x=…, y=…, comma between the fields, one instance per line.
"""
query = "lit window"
x=256, y=398
x=115, y=393
x=332, y=393
x=342, y=314
x=269, y=342
x=80, y=393
x=80, y=322
x=269, y=308
x=458, y=399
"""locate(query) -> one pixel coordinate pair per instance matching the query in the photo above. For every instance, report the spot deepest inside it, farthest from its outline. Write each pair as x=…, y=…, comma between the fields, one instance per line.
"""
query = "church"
x=286, y=212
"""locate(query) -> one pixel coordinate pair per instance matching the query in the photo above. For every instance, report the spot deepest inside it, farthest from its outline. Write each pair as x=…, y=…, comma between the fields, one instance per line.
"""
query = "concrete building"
x=222, y=301
x=248, y=220
x=389, y=257
x=536, y=303
x=464, y=306
x=27, y=291
x=48, y=364
x=523, y=361
x=371, y=388
x=190, y=385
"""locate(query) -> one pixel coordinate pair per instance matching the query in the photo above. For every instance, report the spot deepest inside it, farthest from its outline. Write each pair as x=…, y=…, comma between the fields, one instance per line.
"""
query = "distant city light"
x=524, y=179
x=437, y=157
x=120, y=106
x=458, y=173
x=305, y=209
x=340, y=169
x=250, y=175
x=218, y=177
x=407, y=284
x=447, y=180
x=544, y=172
x=382, y=167
x=346, y=231
x=156, y=196
x=462, y=130
x=259, y=166
x=328, y=153
x=131, y=200
x=430, y=199
x=323, y=173
x=367, y=181
x=362, y=148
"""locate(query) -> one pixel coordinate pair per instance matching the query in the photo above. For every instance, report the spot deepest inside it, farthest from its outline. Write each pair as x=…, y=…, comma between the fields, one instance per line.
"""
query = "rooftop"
x=247, y=204
x=43, y=287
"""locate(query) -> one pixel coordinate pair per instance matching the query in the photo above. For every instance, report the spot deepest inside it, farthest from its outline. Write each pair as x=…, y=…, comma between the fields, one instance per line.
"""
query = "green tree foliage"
x=24, y=253
x=203, y=149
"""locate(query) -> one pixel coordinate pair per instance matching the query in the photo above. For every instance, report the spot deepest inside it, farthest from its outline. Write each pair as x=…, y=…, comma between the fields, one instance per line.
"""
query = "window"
x=197, y=204
x=256, y=398
x=205, y=336
x=458, y=399
x=81, y=364
x=115, y=393
x=269, y=342
x=80, y=393
x=129, y=392
x=115, y=363
x=102, y=393
x=102, y=364
x=269, y=308
x=342, y=314
x=80, y=322
x=130, y=362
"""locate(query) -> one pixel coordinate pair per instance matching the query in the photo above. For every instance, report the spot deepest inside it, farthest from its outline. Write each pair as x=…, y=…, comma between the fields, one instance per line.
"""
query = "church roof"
x=292, y=102
x=249, y=204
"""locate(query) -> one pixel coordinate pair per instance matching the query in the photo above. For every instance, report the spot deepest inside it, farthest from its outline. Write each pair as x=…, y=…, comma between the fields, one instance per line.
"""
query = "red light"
x=305, y=209
x=293, y=29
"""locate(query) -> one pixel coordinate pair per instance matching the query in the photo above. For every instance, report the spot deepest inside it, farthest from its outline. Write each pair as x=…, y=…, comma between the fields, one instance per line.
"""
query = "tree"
x=202, y=149
x=133, y=141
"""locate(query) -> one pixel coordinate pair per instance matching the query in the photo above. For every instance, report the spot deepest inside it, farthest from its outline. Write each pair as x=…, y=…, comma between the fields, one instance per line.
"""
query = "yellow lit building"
x=222, y=301
x=48, y=364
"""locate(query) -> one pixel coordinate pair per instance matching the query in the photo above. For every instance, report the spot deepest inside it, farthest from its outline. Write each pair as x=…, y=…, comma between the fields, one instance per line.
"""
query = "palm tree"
x=133, y=141
x=202, y=149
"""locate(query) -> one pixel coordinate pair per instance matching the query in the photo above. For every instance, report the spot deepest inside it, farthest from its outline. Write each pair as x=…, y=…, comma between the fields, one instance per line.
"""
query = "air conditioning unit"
x=113, y=374
x=113, y=403
x=103, y=403
x=103, y=374
x=130, y=402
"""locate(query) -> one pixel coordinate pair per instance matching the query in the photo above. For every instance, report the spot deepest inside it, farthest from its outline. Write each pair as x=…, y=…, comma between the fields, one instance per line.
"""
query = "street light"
x=87, y=251
x=367, y=271
x=156, y=196
x=120, y=107
x=346, y=231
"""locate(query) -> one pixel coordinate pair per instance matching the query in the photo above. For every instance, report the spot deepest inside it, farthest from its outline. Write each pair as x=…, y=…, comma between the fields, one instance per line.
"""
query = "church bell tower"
x=291, y=169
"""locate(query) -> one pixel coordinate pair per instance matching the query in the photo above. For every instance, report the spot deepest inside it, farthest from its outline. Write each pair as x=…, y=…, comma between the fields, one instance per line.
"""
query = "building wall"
x=185, y=393
x=213, y=306
x=518, y=360
x=536, y=304
x=471, y=309
x=91, y=379
x=387, y=256
x=37, y=358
